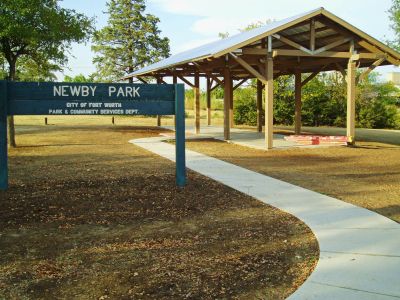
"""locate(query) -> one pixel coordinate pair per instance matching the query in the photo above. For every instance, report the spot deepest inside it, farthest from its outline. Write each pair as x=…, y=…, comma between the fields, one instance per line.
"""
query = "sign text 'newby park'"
x=50, y=98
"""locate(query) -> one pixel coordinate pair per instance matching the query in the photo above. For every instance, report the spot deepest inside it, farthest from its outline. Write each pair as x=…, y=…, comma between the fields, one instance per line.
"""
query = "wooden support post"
x=231, y=107
x=351, y=101
x=312, y=35
x=259, y=105
x=197, y=102
x=159, y=81
x=180, y=135
x=227, y=101
x=269, y=103
x=297, y=98
x=208, y=101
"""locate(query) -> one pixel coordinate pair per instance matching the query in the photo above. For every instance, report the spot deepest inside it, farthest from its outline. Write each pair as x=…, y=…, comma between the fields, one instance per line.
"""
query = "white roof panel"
x=216, y=47
x=229, y=44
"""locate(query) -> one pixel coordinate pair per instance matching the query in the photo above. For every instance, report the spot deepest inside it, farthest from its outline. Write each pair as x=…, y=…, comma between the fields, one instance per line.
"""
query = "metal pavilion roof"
x=224, y=46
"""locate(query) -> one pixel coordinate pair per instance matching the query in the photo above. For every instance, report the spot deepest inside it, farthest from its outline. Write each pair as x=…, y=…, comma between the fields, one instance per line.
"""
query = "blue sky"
x=190, y=23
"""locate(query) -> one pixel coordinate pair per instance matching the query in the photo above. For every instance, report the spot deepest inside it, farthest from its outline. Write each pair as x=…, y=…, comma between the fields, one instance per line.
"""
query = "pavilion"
x=308, y=43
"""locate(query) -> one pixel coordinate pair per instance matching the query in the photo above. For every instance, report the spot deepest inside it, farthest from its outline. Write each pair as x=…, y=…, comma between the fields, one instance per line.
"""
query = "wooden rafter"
x=215, y=86
x=374, y=49
x=240, y=83
x=307, y=32
x=334, y=26
x=331, y=54
x=248, y=68
x=186, y=81
x=311, y=77
x=332, y=45
x=142, y=80
x=292, y=43
x=209, y=74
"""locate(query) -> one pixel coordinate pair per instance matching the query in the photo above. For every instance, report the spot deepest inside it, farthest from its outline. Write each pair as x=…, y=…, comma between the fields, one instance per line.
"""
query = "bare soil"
x=89, y=216
x=367, y=175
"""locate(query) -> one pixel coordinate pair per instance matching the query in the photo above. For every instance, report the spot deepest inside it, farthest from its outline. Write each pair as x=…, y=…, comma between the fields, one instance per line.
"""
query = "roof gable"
x=224, y=46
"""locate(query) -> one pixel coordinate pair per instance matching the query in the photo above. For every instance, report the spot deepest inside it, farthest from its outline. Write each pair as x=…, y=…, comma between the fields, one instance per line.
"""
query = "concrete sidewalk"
x=360, y=250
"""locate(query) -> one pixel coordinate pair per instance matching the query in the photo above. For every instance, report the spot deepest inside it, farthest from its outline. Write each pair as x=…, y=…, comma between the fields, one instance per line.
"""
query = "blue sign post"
x=3, y=136
x=50, y=98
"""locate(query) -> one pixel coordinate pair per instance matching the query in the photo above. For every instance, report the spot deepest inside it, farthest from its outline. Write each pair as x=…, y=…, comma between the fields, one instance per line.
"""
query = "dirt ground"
x=89, y=216
x=367, y=175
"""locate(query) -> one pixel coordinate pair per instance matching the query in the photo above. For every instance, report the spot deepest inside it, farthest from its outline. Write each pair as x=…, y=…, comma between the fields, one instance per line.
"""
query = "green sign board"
x=54, y=98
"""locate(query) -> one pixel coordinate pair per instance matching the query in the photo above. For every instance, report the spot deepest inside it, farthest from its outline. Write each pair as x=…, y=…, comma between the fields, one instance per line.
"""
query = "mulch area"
x=89, y=216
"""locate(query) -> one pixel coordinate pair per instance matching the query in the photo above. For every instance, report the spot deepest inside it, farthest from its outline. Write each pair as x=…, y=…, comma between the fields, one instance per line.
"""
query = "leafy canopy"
x=130, y=41
x=394, y=16
x=39, y=30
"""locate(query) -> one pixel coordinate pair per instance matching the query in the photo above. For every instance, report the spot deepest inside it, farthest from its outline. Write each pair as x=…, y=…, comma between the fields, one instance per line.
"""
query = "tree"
x=130, y=41
x=29, y=70
x=78, y=78
x=3, y=69
x=39, y=31
x=394, y=16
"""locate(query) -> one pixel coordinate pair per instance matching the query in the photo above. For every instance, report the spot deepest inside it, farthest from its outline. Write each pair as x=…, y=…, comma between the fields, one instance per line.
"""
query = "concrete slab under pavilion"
x=302, y=46
x=243, y=137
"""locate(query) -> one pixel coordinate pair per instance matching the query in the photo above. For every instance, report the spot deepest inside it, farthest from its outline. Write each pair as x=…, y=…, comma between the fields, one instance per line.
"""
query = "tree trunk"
x=130, y=80
x=10, y=119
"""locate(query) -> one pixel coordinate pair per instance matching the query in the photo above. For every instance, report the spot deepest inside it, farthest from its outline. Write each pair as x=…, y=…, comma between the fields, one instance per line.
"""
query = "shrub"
x=376, y=114
x=245, y=109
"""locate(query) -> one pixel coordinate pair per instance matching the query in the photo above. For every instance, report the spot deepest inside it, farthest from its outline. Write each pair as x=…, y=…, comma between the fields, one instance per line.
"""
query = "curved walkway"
x=359, y=249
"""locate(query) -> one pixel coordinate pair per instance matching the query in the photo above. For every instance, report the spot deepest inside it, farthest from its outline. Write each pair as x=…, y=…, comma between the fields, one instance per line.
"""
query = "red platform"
x=317, y=139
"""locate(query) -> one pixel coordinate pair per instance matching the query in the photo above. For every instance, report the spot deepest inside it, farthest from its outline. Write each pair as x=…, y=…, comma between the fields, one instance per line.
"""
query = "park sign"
x=60, y=98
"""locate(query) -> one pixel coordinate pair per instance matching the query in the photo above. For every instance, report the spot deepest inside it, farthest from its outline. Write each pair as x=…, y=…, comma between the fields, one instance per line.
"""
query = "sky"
x=191, y=23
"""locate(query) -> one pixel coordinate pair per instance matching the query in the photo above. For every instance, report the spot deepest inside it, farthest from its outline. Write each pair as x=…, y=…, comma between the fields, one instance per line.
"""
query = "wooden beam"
x=212, y=76
x=334, y=26
x=291, y=43
x=370, y=69
x=202, y=69
x=269, y=103
x=307, y=32
x=240, y=83
x=330, y=54
x=248, y=68
x=312, y=34
x=311, y=77
x=215, y=86
x=297, y=99
x=186, y=81
x=208, y=93
x=359, y=56
x=259, y=105
x=197, y=102
x=374, y=49
x=142, y=80
x=227, y=101
x=332, y=45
